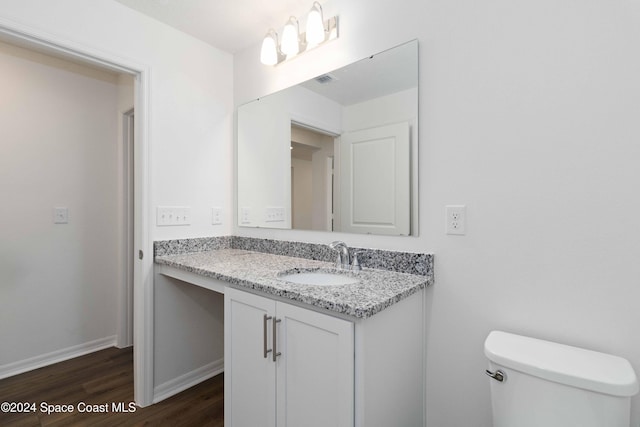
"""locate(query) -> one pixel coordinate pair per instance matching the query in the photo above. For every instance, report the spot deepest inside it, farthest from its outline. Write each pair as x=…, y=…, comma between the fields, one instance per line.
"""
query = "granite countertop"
x=374, y=291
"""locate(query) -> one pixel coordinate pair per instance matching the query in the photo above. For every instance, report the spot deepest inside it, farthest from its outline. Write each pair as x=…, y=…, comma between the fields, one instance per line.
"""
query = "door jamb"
x=125, y=314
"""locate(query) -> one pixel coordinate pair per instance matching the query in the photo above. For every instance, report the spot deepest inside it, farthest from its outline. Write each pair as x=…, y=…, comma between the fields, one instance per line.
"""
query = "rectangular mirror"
x=335, y=153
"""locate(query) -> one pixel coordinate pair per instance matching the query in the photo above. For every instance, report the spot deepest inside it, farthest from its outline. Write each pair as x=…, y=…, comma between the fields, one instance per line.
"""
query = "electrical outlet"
x=456, y=218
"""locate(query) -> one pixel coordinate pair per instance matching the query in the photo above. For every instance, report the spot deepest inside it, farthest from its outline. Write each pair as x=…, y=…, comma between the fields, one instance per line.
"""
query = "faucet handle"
x=355, y=263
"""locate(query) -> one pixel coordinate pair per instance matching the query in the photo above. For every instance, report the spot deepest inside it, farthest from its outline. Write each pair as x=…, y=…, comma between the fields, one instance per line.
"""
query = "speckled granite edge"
x=185, y=246
x=403, y=262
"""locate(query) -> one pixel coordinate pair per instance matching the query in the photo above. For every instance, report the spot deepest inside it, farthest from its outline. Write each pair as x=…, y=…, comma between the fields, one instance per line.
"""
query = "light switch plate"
x=274, y=214
x=60, y=215
x=216, y=216
x=173, y=215
x=245, y=215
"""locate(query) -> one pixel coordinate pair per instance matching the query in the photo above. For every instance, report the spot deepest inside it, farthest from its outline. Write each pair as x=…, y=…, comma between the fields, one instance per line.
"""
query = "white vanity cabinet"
x=331, y=372
x=311, y=381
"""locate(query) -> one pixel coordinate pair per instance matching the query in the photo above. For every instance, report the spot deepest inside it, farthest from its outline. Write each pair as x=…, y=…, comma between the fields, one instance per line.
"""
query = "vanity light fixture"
x=318, y=31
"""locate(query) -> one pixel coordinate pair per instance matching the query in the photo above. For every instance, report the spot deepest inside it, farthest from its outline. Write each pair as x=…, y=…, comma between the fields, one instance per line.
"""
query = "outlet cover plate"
x=456, y=219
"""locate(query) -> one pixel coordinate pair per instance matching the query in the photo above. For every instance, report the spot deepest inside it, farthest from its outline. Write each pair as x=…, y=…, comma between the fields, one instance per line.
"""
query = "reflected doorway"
x=312, y=178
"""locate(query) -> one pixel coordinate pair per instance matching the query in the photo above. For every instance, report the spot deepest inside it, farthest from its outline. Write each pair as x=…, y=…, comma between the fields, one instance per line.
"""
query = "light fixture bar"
x=293, y=43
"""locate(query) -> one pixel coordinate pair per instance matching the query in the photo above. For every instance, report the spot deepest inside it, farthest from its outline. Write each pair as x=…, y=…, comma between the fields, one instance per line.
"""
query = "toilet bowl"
x=536, y=383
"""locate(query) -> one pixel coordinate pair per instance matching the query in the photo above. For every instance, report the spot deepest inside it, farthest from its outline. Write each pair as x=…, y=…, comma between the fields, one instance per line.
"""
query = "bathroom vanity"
x=309, y=354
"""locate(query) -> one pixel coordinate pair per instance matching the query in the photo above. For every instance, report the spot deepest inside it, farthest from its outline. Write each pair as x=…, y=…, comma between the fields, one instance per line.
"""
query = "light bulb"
x=269, y=51
x=315, y=25
x=290, y=38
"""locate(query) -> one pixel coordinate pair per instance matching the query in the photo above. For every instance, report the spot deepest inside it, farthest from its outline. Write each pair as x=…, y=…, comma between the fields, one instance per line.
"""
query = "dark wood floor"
x=105, y=378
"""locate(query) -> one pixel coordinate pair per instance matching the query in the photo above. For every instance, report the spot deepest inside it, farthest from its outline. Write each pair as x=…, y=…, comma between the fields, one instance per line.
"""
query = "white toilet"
x=538, y=383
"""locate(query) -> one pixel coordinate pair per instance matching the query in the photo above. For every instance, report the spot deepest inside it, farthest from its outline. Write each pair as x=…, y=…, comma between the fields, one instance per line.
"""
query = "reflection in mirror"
x=335, y=153
x=312, y=164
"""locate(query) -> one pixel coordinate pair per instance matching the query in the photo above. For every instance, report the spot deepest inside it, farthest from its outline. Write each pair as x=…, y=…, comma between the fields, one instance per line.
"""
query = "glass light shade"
x=290, y=38
x=315, y=25
x=269, y=52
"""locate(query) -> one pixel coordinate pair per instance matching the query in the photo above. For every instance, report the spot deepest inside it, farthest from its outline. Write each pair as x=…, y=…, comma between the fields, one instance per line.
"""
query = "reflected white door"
x=375, y=180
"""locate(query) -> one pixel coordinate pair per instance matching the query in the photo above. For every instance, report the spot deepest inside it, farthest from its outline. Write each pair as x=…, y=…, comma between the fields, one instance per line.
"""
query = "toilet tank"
x=546, y=384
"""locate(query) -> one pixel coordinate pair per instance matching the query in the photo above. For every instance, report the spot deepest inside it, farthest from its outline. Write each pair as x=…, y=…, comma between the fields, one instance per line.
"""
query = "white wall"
x=189, y=334
x=59, y=282
x=528, y=115
x=385, y=110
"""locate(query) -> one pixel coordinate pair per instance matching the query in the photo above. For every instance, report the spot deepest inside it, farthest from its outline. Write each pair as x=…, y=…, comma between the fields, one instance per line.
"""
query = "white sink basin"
x=318, y=278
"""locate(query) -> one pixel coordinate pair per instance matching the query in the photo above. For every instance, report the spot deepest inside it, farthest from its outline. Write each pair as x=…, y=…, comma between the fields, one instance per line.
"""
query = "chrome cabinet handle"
x=264, y=335
x=276, y=353
x=497, y=375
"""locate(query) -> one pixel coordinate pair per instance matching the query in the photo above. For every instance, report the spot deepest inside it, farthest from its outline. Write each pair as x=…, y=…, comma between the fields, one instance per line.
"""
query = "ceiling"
x=230, y=25
x=384, y=73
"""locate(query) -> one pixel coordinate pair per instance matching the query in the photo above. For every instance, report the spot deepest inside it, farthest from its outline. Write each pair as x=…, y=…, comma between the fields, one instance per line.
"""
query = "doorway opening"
x=140, y=306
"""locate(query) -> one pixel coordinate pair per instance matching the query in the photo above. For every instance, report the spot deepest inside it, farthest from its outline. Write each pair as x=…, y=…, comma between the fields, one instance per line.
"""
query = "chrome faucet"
x=343, y=261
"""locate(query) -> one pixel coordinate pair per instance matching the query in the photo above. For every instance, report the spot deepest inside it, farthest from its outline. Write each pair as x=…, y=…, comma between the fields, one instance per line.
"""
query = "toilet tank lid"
x=563, y=364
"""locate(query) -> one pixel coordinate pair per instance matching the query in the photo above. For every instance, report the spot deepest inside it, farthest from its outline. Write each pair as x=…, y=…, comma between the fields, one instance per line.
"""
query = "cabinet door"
x=315, y=370
x=250, y=378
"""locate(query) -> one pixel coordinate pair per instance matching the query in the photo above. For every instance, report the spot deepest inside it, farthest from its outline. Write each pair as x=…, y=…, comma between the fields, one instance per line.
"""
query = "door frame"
x=125, y=316
x=143, y=278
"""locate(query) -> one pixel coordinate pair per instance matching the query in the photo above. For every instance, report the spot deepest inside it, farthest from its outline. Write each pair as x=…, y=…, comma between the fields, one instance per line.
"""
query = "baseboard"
x=47, y=359
x=187, y=380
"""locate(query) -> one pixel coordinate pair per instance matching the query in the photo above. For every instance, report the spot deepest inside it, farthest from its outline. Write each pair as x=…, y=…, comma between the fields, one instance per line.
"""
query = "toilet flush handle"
x=497, y=375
